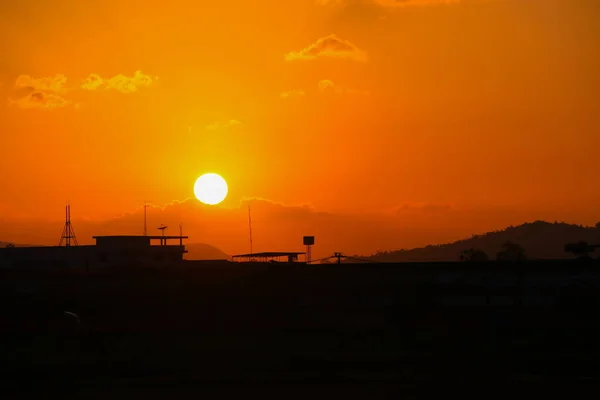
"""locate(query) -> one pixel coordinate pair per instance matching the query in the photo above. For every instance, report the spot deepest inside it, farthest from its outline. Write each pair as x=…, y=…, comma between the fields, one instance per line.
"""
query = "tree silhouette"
x=597, y=225
x=580, y=250
x=473, y=255
x=511, y=252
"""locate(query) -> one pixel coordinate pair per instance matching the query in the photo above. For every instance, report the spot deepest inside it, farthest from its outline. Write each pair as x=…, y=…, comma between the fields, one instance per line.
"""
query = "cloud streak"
x=42, y=100
x=50, y=92
x=120, y=83
x=40, y=92
x=56, y=84
x=328, y=47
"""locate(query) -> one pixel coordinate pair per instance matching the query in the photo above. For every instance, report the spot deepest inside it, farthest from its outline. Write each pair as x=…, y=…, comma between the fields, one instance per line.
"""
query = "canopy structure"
x=276, y=256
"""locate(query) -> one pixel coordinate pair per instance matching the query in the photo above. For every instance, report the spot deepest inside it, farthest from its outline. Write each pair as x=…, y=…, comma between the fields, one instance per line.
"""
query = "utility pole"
x=146, y=205
x=339, y=257
x=250, y=228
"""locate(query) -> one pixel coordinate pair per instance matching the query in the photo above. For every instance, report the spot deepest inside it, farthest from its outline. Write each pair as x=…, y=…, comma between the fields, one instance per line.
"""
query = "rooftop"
x=270, y=254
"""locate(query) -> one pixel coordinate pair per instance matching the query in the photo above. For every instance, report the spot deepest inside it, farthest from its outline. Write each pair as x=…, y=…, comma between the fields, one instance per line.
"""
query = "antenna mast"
x=145, y=217
x=68, y=232
x=250, y=228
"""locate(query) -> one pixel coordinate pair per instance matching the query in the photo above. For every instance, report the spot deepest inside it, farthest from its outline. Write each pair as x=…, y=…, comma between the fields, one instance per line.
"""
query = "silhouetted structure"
x=308, y=241
x=126, y=251
x=68, y=233
x=581, y=249
x=146, y=205
x=273, y=256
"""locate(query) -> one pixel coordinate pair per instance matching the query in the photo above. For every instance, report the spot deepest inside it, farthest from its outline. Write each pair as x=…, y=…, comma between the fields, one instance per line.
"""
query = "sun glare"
x=210, y=189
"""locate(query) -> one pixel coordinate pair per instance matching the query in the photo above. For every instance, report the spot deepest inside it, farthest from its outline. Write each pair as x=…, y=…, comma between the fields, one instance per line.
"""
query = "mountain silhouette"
x=539, y=239
x=203, y=251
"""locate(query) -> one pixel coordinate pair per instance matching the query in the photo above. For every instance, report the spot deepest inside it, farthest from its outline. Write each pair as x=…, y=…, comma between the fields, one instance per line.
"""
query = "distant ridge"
x=540, y=239
x=203, y=251
x=6, y=244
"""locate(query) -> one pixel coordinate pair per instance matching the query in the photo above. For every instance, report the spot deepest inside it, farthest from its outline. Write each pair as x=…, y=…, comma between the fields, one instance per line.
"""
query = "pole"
x=145, y=226
x=250, y=228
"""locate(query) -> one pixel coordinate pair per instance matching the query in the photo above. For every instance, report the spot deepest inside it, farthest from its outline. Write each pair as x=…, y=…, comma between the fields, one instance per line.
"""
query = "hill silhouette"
x=7, y=244
x=539, y=239
x=203, y=251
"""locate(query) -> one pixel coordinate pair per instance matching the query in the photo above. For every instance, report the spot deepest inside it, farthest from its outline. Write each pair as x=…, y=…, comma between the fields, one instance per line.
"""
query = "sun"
x=210, y=189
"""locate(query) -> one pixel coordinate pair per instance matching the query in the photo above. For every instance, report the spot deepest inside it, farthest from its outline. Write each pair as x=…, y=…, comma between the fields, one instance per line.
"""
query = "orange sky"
x=466, y=117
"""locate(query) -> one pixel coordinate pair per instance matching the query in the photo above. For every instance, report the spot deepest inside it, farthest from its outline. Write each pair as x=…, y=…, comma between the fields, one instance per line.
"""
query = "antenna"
x=181, y=234
x=163, y=241
x=145, y=215
x=250, y=227
x=68, y=232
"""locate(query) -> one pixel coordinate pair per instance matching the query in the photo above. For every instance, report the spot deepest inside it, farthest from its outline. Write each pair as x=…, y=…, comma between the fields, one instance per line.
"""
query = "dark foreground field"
x=233, y=325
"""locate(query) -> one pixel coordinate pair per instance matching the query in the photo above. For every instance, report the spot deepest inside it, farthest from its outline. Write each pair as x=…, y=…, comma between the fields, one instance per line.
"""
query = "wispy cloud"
x=41, y=100
x=51, y=92
x=121, y=83
x=329, y=46
x=56, y=84
x=327, y=86
x=221, y=125
x=40, y=92
x=292, y=93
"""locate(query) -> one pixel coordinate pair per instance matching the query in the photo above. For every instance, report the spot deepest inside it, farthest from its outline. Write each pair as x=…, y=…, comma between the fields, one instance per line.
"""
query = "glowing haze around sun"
x=210, y=189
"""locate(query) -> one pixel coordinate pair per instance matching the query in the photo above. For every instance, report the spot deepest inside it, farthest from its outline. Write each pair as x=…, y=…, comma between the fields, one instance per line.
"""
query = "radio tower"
x=68, y=233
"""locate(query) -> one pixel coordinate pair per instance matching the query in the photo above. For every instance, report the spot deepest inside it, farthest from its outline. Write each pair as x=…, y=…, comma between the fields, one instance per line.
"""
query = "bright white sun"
x=210, y=189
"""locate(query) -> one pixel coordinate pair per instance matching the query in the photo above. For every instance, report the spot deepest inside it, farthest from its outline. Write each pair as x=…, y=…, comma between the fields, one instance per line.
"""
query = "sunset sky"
x=373, y=124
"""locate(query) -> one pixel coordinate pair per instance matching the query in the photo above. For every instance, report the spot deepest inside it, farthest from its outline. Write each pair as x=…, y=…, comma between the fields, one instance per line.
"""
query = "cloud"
x=54, y=84
x=41, y=100
x=220, y=125
x=49, y=92
x=292, y=93
x=41, y=93
x=328, y=86
x=121, y=83
x=329, y=46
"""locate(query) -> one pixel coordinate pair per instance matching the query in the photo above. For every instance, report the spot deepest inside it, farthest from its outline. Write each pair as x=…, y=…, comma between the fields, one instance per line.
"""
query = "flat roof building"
x=108, y=251
x=272, y=256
